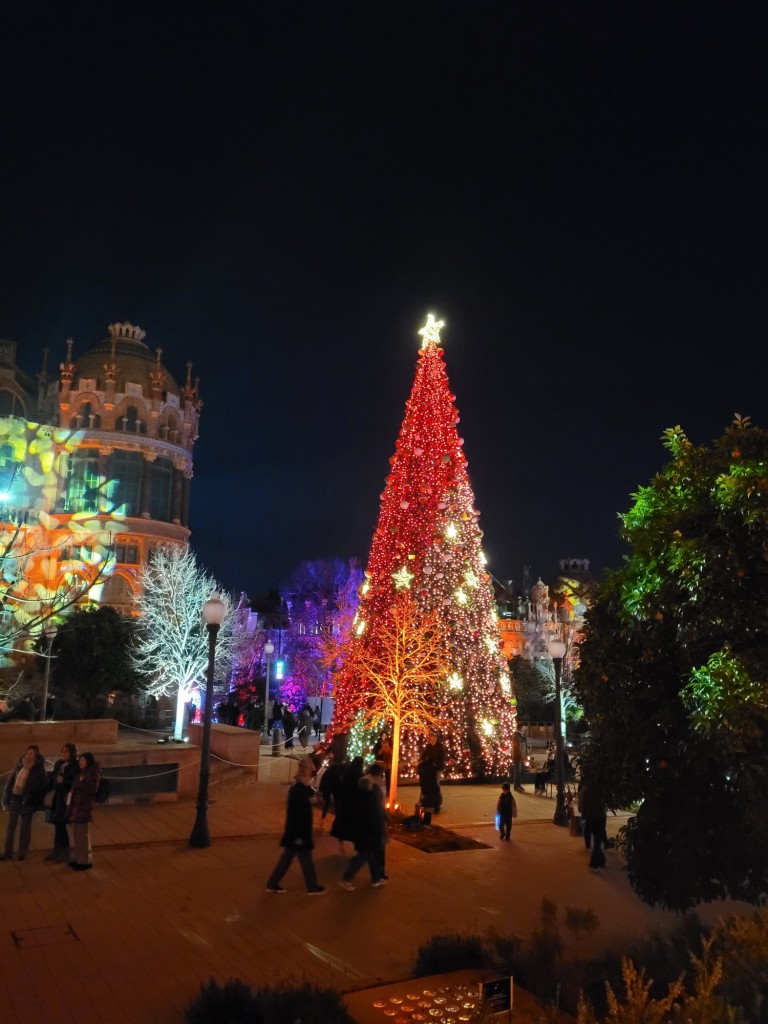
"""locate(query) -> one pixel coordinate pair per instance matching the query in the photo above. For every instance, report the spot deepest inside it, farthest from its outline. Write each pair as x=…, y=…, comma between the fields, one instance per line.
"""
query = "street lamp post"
x=557, y=653
x=269, y=650
x=214, y=611
x=50, y=632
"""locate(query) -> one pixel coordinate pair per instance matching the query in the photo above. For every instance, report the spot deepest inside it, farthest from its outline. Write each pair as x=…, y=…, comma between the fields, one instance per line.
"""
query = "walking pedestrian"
x=506, y=810
x=289, y=726
x=344, y=799
x=592, y=808
x=368, y=835
x=297, y=838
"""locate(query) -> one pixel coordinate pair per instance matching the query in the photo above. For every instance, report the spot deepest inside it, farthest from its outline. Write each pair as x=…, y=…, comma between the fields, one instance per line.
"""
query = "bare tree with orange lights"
x=404, y=675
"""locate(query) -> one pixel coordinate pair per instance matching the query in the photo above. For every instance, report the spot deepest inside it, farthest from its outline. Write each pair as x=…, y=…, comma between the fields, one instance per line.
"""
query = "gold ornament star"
x=430, y=332
x=402, y=578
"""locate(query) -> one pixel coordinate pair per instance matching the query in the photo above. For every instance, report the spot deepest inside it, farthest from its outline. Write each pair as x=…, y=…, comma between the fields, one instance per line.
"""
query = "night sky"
x=279, y=192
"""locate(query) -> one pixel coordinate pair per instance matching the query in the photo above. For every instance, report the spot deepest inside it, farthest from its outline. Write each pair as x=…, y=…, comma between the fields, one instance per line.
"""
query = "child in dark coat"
x=506, y=809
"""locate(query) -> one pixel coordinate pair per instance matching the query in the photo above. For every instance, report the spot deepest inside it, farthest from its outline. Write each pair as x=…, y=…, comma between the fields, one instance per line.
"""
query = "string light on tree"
x=428, y=544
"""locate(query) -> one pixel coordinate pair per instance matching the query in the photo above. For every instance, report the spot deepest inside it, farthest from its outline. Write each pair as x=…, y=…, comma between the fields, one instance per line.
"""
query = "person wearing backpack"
x=82, y=797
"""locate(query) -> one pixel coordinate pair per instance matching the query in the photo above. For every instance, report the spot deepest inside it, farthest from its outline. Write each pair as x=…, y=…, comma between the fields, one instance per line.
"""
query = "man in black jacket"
x=297, y=839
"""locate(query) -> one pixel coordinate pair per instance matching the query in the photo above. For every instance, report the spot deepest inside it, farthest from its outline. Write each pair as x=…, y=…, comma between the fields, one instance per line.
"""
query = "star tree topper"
x=430, y=332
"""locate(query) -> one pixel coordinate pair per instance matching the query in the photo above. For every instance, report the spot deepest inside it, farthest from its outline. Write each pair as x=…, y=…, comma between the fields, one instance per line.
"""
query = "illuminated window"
x=83, y=479
x=127, y=469
x=162, y=480
x=77, y=553
x=127, y=554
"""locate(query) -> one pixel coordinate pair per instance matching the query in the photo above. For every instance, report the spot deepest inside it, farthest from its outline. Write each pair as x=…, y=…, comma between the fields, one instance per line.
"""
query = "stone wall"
x=234, y=746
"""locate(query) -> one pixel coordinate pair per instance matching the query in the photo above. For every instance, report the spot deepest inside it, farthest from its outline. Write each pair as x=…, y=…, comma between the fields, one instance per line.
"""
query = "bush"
x=236, y=1003
x=229, y=1004
x=444, y=953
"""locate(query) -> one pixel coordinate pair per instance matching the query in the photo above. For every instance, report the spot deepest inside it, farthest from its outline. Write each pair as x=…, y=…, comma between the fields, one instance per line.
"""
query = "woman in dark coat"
x=62, y=777
x=344, y=800
x=305, y=725
x=24, y=792
x=82, y=797
x=289, y=726
x=369, y=826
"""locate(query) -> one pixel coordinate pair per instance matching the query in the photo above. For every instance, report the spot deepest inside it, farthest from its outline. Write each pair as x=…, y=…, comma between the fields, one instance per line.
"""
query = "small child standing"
x=506, y=810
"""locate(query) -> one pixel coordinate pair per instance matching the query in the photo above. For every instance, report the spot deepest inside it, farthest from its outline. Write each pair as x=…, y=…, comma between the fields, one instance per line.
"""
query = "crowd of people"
x=67, y=793
x=357, y=794
x=302, y=724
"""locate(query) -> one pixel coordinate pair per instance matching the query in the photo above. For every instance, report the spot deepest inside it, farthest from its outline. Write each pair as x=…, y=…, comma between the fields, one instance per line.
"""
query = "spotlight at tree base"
x=427, y=544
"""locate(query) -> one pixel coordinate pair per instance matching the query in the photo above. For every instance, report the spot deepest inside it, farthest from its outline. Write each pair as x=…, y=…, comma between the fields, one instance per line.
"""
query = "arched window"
x=130, y=422
x=87, y=418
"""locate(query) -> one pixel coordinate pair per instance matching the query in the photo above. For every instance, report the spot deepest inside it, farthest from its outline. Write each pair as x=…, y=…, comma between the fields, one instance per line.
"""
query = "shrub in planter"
x=231, y=1003
x=306, y=1003
x=444, y=953
x=236, y=1003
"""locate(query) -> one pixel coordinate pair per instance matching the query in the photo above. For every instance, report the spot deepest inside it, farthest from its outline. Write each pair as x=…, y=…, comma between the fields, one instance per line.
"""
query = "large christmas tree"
x=428, y=541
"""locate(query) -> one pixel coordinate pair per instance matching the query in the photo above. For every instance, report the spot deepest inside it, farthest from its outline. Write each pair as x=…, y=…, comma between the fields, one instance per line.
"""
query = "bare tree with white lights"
x=171, y=648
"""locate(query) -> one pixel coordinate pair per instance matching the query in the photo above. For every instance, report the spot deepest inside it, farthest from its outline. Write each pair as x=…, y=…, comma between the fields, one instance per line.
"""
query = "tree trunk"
x=178, y=732
x=395, y=761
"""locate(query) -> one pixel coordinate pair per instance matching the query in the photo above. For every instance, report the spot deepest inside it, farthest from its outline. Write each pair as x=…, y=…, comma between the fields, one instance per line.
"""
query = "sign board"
x=498, y=994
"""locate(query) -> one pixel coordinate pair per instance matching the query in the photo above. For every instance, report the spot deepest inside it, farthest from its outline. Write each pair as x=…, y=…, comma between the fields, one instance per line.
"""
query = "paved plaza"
x=132, y=939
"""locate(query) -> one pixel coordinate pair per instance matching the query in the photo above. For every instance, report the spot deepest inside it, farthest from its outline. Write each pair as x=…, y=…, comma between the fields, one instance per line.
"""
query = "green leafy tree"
x=674, y=670
x=531, y=684
x=92, y=655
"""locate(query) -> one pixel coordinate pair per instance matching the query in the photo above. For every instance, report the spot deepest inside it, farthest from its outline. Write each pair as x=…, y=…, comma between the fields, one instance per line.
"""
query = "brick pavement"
x=132, y=939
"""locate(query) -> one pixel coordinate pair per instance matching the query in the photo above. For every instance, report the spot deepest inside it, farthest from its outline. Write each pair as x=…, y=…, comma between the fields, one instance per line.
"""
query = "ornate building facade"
x=95, y=469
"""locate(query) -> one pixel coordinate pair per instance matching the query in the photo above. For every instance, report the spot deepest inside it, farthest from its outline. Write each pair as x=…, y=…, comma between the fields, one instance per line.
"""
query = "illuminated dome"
x=132, y=360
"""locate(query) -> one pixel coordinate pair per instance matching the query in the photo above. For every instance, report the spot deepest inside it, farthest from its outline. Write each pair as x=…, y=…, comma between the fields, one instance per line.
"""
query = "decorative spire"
x=189, y=391
x=157, y=376
x=68, y=368
x=110, y=369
